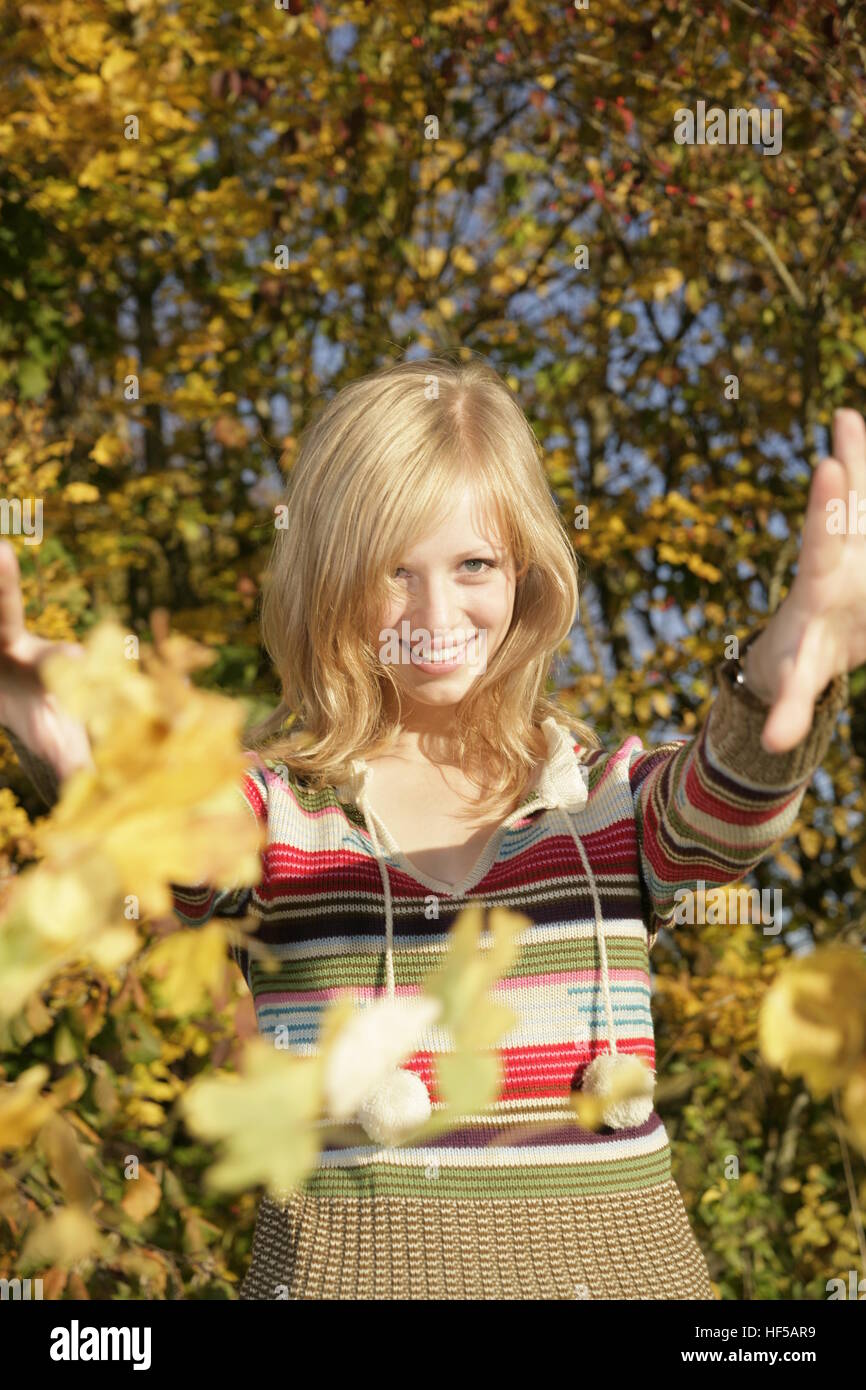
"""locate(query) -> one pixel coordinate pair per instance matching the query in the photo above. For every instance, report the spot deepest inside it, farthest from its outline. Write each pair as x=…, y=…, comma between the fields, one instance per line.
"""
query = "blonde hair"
x=375, y=471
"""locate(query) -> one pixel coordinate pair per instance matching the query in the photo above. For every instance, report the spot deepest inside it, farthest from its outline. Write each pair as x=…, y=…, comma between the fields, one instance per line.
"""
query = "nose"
x=432, y=605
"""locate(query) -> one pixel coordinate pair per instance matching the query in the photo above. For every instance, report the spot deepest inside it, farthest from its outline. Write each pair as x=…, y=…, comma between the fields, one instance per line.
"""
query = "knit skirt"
x=631, y=1245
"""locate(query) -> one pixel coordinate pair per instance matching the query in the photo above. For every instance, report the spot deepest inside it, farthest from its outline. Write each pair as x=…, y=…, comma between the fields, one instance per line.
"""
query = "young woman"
x=420, y=583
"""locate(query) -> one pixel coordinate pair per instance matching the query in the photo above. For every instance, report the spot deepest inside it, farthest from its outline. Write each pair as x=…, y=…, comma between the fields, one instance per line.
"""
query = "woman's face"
x=453, y=610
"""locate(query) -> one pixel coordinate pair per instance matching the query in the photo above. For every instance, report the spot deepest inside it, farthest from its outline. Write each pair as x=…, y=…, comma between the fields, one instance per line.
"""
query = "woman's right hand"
x=26, y=707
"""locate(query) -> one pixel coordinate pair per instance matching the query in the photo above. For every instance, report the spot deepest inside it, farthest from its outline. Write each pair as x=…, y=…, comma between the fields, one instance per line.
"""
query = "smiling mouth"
x=442, y=657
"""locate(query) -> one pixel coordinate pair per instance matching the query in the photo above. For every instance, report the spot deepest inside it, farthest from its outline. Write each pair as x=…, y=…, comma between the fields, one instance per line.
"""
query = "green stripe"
x=496, y=1184
x=412, y=966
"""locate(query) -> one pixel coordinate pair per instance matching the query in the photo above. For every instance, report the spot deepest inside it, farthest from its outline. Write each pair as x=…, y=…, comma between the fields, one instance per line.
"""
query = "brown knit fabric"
x=632, y=1245
x=41, y=774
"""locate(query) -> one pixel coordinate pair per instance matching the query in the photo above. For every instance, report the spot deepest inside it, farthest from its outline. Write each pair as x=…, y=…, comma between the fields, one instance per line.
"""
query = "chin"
x=438, y=690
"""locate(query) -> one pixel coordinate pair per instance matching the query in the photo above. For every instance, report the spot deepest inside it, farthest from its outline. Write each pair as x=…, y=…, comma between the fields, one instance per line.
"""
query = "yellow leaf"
x=142, y=1196
x=666, y=282
x=54, y=915
x=854, y=1105
x=661, y=703
x=789, y=865
x=430, y=260
x=369, y=1046
x=107, y=449
x=23, y=1111
x=812, y=1021
x=88, y=41
x=64, y=1238
x=476, y=1020
x=523, y=13
x=120, y=60
x=694, y=297
x=80, y=492
x=468, y=1082
x=470, y=969
x=839, y=817
x=811, y=842
x=59, y=1145
x=98, y=170
x=716, y=239
x=190, y=966
x=463, y=261
x=162, y=803
x=265, y=1119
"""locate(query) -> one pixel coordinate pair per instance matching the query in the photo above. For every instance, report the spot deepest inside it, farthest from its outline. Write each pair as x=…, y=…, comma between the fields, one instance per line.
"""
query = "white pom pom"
x=399, y=1104
x=598, y=1080
x=370, y=1045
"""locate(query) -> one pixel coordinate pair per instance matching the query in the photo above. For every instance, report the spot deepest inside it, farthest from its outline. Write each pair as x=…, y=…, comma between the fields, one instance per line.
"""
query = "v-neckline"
x=478, y=870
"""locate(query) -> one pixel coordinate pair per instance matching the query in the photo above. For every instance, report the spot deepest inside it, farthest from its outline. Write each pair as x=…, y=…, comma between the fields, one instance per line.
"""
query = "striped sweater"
x=517, y=1201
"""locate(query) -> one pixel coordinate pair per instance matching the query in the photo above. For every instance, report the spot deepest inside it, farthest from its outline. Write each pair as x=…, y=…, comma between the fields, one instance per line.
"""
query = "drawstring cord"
x=397, y=1105
x=370, y=822
x=600, y=942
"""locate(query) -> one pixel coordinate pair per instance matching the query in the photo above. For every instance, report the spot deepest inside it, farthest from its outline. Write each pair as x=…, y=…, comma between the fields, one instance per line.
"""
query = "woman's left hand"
x=819, y=630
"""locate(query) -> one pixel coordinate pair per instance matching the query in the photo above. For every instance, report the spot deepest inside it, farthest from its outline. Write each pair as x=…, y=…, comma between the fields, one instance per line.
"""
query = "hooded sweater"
x=518, y=1200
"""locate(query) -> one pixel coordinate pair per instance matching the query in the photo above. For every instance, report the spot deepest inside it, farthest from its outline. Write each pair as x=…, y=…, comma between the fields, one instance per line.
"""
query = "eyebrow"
x=497, y=551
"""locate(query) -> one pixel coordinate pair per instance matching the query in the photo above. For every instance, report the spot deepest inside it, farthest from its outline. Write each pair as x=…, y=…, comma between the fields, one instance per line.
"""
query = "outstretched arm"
x=819, y=631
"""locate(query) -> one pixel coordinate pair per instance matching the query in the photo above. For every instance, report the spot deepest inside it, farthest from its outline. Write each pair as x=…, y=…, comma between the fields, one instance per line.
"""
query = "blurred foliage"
x=157, y=258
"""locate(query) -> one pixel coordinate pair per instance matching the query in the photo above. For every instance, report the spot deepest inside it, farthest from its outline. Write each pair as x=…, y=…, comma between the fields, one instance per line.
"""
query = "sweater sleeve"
x=41, y=775
x=193, y=904
x=710, y=808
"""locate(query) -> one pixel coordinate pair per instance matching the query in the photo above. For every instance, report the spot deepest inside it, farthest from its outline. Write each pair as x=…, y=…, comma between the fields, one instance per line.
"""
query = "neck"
x=426, y=731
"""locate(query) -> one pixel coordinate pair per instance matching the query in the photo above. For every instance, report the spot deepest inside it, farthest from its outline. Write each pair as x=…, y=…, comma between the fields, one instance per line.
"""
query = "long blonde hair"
x=374, y=472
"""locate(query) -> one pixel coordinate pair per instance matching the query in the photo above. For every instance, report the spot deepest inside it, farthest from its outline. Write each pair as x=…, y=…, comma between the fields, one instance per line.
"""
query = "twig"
x=851, y=1185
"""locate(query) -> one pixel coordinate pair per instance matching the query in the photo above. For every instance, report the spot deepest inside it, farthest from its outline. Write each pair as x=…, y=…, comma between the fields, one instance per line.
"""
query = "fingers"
x=787, y=723
x=849, y=447
x=801, y=681
x=11, y=602
x=822, y=544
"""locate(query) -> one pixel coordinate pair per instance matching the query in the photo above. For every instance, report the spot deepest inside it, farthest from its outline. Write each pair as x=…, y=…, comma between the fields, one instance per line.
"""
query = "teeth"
x=442, y=655
x=446, y=655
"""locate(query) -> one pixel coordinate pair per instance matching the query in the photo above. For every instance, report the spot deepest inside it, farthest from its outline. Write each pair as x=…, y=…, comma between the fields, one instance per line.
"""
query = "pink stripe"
x=307, y=996
x=556, y=977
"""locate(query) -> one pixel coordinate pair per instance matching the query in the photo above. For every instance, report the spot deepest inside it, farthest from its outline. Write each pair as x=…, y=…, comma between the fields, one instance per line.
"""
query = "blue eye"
x=478, y=560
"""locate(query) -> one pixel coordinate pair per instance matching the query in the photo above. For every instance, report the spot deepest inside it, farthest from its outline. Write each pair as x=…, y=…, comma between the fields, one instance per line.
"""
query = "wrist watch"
x=734, y=667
